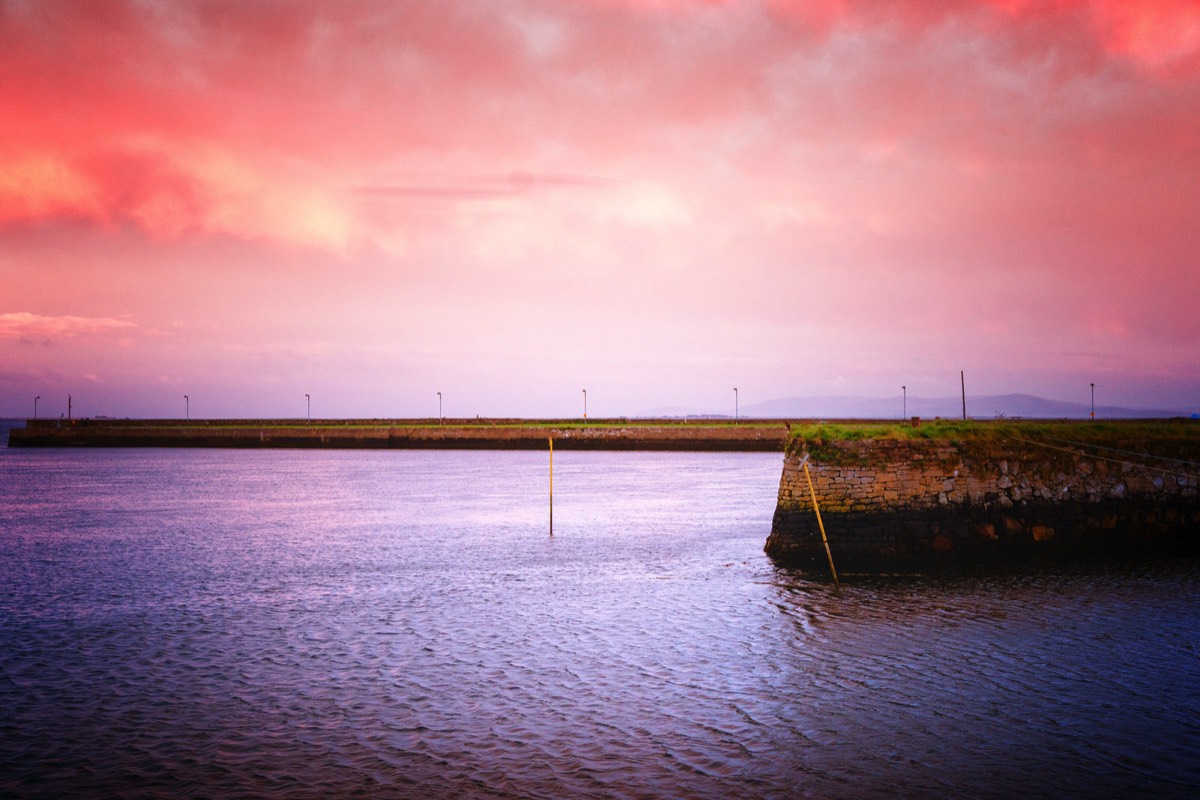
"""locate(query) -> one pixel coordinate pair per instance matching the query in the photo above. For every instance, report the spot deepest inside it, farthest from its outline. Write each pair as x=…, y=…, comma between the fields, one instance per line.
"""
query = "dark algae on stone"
x=893, y=495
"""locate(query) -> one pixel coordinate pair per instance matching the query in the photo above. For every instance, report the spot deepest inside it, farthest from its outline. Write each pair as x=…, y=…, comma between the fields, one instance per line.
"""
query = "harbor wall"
x=484, y=434
x=888, y=502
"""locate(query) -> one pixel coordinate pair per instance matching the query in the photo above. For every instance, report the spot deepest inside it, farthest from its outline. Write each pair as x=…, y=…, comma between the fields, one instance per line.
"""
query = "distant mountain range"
x=1012, y=406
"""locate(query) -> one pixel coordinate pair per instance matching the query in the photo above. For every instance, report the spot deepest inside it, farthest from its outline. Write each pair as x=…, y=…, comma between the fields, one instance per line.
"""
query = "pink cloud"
x=1163, y=36
x=25, y=326
x=283, y=85
x=684, y=185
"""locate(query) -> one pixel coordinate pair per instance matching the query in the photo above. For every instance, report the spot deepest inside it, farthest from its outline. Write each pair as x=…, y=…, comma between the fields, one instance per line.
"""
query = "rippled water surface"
x=399, y=624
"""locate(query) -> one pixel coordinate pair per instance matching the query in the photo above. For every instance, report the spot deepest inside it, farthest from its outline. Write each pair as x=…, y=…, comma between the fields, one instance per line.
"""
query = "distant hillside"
x=978, y=407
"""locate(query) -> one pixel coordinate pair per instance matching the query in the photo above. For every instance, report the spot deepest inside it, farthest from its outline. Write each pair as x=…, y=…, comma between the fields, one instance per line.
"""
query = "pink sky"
x=508, y=202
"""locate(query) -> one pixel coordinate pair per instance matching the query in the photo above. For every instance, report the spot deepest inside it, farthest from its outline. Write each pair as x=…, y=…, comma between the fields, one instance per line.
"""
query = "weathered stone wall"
x=609, y=434
x=913, y=500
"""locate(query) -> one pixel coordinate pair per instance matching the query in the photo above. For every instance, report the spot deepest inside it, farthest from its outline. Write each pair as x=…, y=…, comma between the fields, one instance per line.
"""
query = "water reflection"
x=1067, y=681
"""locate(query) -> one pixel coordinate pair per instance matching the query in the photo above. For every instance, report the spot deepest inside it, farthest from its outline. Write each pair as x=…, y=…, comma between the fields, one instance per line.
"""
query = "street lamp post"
x=439, y=394
x=735, y=403
x=585, y=404
x=187, y=408
x=39, y=397
x=904, y=389
x=1093, y=401
x=308, y=400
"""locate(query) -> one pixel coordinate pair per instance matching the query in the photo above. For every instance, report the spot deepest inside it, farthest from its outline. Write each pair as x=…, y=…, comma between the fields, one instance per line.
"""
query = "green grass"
x=1173, y=438
x=987, y=429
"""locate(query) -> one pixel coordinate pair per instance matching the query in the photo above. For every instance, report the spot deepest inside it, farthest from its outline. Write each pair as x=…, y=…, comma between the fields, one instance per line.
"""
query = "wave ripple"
x=400, y=624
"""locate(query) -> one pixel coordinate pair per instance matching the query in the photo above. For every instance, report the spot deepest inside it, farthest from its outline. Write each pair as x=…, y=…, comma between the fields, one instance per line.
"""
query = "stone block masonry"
x=894, y=502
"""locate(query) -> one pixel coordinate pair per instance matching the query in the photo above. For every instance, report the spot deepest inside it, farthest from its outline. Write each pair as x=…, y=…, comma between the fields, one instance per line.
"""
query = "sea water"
x=204, y=623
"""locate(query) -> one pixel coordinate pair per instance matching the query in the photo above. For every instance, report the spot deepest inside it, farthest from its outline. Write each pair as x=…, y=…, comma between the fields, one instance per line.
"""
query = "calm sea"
x=400, y=624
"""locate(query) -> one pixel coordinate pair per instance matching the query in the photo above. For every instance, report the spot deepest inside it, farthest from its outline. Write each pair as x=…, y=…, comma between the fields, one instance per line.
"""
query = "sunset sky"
x=511, y=201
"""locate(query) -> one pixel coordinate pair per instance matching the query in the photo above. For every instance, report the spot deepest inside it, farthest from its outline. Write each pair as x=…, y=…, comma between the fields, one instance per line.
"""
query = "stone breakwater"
x=484, y=434
x=891, y=502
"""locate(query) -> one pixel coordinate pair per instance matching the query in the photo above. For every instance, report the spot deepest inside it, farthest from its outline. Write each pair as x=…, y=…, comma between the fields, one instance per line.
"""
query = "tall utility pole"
x=962, y=379
x=68, y=408
x=439, y=406
x=735, y=403
x=308, y=400
x=904, y=389
x=187, y=408
x=1093, y=401
x=39, y=397
x=585, y=404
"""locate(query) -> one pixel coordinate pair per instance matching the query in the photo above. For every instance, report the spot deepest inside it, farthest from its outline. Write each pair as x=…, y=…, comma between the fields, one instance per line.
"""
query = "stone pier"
x=915, y=500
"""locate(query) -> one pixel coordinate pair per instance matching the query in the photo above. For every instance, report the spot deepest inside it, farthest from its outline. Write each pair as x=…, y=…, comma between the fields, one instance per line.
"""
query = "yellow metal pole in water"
x=820, y=524
x=551, y=485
